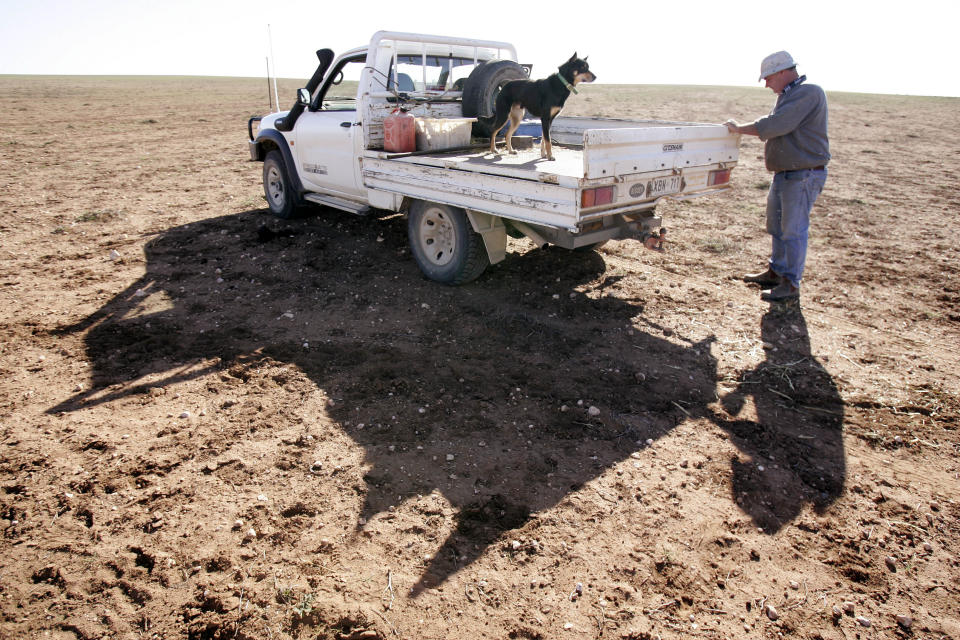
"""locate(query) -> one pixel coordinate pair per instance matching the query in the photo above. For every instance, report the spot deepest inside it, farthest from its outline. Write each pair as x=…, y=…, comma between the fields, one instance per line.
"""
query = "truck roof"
x=408, y=43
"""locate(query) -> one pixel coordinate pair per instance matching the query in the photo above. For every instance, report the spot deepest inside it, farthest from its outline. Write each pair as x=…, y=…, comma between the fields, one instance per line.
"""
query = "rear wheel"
x=444, y=244
x=276, y=186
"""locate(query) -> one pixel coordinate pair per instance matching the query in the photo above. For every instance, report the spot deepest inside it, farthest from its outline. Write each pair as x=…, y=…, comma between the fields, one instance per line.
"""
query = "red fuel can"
x=399, y=132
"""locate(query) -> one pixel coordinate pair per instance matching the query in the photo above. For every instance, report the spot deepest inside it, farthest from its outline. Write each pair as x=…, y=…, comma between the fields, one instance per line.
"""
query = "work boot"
x=767, y=278
x=781, y=293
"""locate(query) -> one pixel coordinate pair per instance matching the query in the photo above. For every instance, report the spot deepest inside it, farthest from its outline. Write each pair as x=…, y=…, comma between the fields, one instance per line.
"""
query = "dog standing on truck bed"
x=543, y=98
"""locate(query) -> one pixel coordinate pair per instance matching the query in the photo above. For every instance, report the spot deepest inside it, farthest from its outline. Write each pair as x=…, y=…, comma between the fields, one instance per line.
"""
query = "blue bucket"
x=527, y=128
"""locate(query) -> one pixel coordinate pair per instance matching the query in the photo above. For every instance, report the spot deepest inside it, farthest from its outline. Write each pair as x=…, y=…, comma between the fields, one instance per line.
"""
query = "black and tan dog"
x=542, y=98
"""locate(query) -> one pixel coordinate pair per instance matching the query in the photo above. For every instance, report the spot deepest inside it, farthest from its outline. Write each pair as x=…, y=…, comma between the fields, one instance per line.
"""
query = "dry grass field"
x=206, y=432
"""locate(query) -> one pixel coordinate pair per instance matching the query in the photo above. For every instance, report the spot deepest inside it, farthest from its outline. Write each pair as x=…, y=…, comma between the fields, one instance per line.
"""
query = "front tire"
x=444, y=244
x=276, y=186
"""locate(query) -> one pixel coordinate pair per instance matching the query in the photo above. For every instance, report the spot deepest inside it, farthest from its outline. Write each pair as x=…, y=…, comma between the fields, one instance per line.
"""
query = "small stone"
x=450, y=457
x=515, y=545
x=905, y=621
x=262, y=498
x=185, y=415
x=891, y=563
x=863, y=622
x=114, y=255
x=928, y=547
x=593, y=411
x=848, y=607
x=568, y=626
x=794, y=585
x=251, y=533
x=837, y=612
x=771, y=612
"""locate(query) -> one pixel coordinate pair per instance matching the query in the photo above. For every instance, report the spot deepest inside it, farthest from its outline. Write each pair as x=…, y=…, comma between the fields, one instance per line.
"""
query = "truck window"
x=339, y=92
x=435, y=73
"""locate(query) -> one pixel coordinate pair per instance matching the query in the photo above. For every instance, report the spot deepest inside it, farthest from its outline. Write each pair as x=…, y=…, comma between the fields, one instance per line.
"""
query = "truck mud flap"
x=493, y=232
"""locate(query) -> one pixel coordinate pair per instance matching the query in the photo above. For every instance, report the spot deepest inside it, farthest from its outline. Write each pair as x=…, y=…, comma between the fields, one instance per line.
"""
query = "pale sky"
x=905, y=48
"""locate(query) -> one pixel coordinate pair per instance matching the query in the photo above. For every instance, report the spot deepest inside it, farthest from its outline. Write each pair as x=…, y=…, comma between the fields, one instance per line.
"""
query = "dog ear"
x=573, y=57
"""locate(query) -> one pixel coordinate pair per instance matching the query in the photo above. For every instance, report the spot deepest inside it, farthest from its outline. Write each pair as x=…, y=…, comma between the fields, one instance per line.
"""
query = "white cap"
x=776, y=62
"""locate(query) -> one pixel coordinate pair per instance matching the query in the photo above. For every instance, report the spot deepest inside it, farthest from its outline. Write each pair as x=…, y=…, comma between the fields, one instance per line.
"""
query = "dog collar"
x=567, y=84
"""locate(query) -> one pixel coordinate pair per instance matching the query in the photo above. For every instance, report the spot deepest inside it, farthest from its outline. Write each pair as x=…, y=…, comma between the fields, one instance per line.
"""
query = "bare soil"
x=217, y=424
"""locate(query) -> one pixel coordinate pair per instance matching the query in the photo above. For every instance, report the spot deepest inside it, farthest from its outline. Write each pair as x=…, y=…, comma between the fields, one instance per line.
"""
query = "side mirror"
x=303, y=97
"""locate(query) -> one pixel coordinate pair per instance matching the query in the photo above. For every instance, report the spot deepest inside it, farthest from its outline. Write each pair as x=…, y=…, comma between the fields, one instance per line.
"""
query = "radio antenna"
x=274, y=59
x=269, y=97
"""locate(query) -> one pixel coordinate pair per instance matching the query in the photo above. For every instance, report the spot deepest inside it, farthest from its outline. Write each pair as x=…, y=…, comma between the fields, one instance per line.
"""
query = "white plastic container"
x=436, y=134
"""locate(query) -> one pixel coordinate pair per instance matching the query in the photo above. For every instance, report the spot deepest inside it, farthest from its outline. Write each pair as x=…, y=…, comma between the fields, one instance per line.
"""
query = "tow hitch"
x=654, y=240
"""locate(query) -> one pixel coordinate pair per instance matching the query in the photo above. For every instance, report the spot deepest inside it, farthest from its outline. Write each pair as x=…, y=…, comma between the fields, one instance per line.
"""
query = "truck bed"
x=566, y=168
x=592, y=149
x=589, y=152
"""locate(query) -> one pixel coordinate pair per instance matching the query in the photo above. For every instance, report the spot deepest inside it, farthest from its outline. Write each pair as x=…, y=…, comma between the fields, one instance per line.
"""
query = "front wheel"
x=444, y=244
x=276, y=186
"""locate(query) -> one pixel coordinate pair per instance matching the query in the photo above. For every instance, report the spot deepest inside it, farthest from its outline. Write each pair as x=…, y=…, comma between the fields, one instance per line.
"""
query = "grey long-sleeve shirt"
x=795, y=132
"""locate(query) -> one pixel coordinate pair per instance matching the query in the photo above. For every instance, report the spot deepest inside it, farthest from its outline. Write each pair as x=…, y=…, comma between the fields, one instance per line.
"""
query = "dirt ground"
x=217, y=424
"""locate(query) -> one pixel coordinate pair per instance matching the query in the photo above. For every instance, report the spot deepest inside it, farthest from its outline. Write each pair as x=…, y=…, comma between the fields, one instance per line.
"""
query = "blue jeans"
x=789, y=202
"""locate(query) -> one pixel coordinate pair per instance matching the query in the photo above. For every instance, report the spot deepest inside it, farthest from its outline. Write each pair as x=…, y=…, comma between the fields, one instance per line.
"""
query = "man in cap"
x=797, y=151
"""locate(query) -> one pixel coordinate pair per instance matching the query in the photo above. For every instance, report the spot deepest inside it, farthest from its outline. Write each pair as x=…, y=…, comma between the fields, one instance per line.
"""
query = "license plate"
x=664, y=186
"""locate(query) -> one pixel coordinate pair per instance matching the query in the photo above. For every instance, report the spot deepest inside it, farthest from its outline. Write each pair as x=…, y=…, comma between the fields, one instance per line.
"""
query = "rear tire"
x=276, y=186
x=444, y=244
x=482, y=87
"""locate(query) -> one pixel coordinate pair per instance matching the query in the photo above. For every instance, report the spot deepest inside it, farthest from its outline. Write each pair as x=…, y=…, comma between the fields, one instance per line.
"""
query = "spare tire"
x=481, y=88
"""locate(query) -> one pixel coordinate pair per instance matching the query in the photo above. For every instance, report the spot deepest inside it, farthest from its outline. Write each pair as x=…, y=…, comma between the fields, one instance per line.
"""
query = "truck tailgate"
x=619, y=152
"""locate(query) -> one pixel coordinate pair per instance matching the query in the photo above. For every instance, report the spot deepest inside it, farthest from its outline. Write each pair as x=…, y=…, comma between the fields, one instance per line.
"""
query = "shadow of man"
x=794, y=444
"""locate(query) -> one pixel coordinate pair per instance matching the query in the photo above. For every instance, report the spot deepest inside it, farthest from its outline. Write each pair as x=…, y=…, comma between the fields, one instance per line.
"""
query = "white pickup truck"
x=462, y=201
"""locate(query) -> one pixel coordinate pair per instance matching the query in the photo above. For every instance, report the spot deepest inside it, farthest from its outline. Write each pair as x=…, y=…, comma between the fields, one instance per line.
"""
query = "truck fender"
x=270, y=138
x=493, y=232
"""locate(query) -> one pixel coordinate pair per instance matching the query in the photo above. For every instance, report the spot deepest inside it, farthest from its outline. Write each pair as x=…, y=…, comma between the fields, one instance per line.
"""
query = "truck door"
x=329, y=136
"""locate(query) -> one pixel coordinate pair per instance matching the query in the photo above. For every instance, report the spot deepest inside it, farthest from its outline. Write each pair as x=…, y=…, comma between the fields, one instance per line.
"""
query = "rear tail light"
x=720, y=176
x=596, y=197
